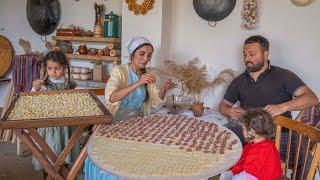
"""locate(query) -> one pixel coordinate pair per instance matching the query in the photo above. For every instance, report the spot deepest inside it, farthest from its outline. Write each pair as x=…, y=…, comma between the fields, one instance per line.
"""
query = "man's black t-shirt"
x=274, y=86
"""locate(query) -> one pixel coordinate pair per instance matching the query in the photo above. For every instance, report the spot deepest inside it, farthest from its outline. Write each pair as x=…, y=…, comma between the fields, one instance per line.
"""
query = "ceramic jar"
x=76, y=69
x=75, y=76
x=82, y=49
x=93, y=51
x=84, y=70
x=86, y=76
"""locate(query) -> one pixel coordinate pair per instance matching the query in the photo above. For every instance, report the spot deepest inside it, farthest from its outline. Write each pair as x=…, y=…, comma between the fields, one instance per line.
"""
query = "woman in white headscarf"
x=131, y=89
x=130, y=92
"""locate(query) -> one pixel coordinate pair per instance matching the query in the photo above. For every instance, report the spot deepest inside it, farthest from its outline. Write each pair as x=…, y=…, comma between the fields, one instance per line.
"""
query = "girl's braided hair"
x=60, y=58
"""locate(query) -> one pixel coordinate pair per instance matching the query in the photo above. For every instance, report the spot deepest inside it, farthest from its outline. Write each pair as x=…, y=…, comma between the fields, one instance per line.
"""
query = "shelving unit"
x=86, y=39
x=115, y=60
x=95, y=58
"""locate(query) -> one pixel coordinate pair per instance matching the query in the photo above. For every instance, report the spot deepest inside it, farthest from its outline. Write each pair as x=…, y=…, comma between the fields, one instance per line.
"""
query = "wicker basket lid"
x=6, y=55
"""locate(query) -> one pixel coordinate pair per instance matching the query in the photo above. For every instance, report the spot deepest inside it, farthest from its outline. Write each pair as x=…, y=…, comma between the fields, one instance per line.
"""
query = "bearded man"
x=262, y=85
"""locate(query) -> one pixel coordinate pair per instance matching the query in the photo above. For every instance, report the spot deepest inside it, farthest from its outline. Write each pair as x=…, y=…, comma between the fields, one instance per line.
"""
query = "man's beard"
x=255, y=67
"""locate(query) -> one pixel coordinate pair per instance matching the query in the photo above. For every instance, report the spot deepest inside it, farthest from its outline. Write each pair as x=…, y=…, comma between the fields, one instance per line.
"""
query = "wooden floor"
x=14, y=167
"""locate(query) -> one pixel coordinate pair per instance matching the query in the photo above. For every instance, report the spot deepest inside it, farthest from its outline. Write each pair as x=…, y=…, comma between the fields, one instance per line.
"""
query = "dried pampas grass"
x=194, y=79
x=224, y=77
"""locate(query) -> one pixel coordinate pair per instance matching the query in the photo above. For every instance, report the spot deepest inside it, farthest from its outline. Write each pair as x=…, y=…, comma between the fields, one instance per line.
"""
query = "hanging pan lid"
x=213, y=10
x=6, y=55
x=43, y=15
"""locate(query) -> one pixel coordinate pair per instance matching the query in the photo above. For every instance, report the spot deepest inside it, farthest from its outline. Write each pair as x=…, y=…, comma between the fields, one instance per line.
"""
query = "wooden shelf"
x=93, y=58
x=87, y=39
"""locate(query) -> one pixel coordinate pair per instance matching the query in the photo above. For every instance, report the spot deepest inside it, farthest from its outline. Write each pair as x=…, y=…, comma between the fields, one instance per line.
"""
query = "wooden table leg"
x=82, y=156
x=75, y=136
x=46, y=148
x=37, y=153
x=77, y=164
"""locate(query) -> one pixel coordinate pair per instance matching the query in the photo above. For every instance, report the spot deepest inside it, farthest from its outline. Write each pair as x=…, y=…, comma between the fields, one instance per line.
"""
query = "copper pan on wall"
x=213, y=10
x=43, y=15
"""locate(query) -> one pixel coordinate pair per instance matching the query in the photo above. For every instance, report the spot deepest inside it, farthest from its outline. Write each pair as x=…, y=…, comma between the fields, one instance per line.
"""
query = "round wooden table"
x=164, y=147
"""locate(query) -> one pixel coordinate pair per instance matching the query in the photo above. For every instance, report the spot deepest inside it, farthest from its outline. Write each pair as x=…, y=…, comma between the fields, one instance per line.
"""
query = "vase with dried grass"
x=194, y=82
x=197, y=109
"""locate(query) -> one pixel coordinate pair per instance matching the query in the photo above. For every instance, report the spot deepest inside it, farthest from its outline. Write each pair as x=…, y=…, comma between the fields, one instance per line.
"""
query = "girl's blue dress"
x=57, y=137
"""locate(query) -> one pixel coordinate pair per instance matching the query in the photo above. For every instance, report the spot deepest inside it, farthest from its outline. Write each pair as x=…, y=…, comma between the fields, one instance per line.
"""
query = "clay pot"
x=89, y=33
x=197, y=109
x=106, y=51
x=65, y=47
x=82, y=49
x=76, y=69
x=93, y=51
x=100, y=52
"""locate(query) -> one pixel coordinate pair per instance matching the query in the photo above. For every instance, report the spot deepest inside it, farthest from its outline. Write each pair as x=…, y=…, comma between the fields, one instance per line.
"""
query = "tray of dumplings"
x=54, y=108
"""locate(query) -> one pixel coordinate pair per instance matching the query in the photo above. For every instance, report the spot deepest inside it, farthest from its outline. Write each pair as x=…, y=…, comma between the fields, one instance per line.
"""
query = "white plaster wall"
x=148, y=26
x=294, y=35
x=167, y=11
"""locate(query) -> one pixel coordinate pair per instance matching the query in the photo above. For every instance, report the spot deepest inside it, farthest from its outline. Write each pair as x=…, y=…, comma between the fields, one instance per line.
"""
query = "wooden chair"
x=311, y=116
x=308, y=143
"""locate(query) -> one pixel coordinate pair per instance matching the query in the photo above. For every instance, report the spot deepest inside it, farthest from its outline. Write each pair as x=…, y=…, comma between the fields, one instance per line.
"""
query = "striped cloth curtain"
x=25, y=71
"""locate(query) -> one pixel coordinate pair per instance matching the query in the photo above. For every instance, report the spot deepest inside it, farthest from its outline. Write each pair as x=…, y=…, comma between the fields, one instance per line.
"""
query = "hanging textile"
x=25, y=71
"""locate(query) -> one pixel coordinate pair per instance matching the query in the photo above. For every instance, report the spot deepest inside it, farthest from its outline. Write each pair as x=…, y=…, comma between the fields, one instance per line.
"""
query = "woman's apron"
x=129, y=107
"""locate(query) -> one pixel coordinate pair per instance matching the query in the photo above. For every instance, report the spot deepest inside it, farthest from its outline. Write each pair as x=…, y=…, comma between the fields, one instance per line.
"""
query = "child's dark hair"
x=260, y=121
x=60, y=58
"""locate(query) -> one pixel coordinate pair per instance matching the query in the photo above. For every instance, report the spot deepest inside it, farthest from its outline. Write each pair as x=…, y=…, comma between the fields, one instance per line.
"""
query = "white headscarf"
x=134, y=43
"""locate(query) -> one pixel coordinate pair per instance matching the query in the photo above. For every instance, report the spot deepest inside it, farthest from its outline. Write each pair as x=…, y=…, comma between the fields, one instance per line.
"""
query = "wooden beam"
x=46, y=148
x=72, y=141
x=55, y=122
x=38, y=155
x=78, y=164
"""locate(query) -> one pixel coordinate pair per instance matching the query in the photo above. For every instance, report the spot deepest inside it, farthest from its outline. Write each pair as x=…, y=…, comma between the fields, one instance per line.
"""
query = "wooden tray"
x=5, y=123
